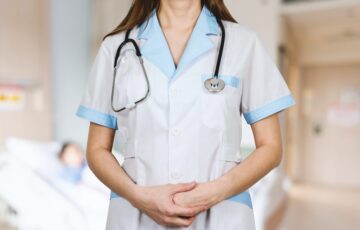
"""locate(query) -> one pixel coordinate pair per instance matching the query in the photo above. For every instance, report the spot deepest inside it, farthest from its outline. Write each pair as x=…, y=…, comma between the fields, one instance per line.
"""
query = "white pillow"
x=18, y=145
x=41, y=157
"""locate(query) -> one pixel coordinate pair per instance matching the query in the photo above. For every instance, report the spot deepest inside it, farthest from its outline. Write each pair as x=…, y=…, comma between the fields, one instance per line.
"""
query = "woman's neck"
x=179, y=13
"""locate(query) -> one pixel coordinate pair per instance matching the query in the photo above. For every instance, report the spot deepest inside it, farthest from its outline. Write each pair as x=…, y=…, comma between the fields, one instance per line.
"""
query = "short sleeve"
x=264, y=90
x=95, y=104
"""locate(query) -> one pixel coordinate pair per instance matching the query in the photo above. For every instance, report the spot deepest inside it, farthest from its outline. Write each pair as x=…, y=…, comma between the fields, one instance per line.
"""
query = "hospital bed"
x=40, y=199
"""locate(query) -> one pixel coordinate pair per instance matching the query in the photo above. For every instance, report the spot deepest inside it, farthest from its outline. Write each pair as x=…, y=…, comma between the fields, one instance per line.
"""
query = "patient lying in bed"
x=72, y=159
x=51, y=187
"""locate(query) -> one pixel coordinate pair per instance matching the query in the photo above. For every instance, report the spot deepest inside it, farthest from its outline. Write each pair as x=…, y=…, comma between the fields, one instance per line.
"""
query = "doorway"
x=330, y=130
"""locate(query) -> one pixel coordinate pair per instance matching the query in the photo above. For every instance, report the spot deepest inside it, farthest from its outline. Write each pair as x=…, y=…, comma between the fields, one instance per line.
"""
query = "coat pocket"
x=225, y=164
x=130, y=166
x=218, y=107
x=229, y=156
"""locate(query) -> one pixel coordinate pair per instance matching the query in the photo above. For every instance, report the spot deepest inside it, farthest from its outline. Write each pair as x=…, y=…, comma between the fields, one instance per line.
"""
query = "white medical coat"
x=182, y=132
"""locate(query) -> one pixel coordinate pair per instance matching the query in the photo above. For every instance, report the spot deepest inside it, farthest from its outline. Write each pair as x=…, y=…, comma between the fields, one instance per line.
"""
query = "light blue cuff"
x=243, y=198
x=269, y=109
x=97, y=117
x=113, y=195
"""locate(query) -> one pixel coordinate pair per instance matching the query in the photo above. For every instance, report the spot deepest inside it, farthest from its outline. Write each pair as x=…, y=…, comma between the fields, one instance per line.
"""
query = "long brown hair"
x=140, y=11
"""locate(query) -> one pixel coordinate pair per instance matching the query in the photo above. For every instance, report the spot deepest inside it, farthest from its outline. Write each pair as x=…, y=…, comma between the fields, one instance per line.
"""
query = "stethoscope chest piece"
x=214, y=84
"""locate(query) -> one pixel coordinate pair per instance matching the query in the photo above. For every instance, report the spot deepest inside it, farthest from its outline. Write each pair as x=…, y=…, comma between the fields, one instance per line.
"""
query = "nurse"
x=183, y=168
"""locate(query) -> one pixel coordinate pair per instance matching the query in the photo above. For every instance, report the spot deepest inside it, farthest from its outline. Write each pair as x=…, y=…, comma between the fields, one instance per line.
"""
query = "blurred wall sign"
x=346, y=111
x=344, y=114
x=12, y=97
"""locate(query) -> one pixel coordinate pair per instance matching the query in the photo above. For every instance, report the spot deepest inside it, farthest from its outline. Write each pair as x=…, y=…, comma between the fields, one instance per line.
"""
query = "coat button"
x=175, y=132
x=175, y=91
x=172, y=92
x=176, y=175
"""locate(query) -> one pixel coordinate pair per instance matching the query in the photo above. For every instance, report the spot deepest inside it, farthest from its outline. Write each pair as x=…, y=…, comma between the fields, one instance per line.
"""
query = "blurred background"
x=46, y=51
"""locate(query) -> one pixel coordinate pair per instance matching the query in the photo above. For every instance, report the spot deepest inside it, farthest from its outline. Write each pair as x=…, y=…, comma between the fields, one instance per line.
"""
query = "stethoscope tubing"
x=139, y=55
x=116, y=66
x=221, y=50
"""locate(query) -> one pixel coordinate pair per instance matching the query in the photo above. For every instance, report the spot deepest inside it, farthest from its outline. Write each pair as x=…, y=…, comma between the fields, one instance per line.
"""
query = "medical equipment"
x=213, y=84
x=116, y=66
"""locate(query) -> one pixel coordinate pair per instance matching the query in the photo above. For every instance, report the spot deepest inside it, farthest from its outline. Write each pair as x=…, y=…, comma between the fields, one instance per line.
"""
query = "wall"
x=45, y=45
x=70, y=42
x=260, y=15
x=323, y=33
x=330, y=118
x=106, y=16
x=77, y=28
x=24, y=60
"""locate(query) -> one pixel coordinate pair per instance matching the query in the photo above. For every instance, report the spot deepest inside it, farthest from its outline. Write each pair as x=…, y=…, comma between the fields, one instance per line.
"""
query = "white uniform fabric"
x=181, y=132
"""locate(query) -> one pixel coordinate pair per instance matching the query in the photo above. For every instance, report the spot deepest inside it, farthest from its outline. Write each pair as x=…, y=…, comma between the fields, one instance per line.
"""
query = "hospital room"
x=50, y=171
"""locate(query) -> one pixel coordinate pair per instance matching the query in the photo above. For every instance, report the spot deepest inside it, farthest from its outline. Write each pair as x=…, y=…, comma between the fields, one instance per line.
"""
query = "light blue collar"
x=156, y=50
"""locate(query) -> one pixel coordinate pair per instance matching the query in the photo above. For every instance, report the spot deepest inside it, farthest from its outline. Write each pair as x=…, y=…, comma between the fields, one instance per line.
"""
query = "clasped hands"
x=176, y=205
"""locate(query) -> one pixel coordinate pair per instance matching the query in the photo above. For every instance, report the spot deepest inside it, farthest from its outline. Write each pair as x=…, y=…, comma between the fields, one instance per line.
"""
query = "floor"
x=318, y=208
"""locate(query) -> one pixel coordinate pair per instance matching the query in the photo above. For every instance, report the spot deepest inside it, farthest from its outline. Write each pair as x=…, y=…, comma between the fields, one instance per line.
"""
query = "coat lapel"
x=156, y=49
x=199, y=42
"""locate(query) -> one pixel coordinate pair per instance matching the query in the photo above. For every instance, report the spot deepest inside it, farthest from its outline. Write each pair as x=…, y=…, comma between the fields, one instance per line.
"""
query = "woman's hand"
x=157, y=202
x=204, y=195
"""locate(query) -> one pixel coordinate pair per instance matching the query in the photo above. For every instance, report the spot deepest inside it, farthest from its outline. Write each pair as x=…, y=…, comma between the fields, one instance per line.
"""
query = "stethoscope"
x=213, y=84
